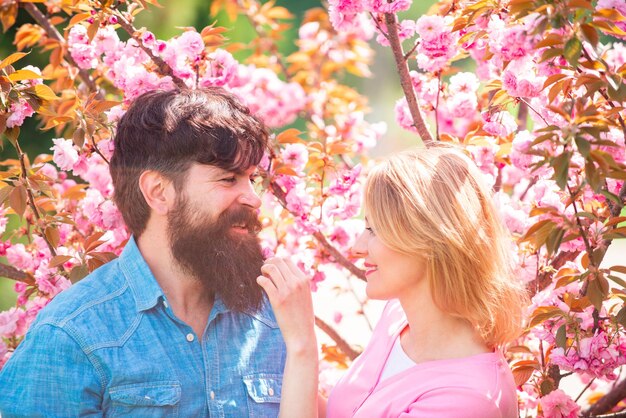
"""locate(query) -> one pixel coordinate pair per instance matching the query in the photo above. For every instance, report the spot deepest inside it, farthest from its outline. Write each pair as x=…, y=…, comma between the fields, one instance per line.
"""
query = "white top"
x=397, y=361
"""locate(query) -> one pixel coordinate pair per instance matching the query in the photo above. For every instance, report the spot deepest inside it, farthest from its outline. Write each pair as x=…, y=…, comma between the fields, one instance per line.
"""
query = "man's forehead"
x=209, y=169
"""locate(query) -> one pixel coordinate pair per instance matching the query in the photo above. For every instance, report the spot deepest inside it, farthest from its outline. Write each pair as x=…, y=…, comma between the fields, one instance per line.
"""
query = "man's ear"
x=158, y=191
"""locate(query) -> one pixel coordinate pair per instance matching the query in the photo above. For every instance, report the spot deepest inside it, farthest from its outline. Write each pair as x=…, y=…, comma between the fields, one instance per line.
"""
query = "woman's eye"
x=370, y=230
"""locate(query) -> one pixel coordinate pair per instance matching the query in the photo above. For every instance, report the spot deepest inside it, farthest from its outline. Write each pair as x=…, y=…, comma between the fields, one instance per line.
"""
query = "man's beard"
x=226, y=262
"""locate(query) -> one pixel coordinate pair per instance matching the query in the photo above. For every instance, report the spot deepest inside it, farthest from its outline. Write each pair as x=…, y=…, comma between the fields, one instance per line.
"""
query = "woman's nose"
x=359, y=249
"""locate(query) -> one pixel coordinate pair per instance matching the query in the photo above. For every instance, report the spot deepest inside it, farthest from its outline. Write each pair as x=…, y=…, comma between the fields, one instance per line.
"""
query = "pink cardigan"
x=479, y=386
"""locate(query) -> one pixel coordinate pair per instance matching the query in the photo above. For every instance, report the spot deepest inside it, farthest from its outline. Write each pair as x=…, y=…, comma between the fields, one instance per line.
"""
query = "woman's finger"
x=268, y=286
x=295, y=270
x=271, y=271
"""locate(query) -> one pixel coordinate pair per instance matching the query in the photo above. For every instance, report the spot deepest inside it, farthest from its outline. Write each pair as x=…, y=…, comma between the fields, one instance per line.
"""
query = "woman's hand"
x=289, y=293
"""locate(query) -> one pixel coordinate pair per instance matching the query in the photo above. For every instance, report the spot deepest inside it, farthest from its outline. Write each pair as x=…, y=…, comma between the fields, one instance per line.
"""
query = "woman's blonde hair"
x=433, y=203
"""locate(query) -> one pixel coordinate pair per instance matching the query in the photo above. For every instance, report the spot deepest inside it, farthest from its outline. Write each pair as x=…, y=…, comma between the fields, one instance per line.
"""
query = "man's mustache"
x=242, y=217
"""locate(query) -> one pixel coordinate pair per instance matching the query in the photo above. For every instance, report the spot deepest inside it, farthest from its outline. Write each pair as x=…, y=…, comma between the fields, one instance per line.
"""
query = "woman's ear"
x=158, y=191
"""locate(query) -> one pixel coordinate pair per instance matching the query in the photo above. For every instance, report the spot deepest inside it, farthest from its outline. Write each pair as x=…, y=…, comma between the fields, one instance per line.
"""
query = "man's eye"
x=229, y=179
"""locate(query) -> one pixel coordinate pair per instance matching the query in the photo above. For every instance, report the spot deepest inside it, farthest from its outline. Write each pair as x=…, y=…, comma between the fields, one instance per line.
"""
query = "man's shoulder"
x=86, y=303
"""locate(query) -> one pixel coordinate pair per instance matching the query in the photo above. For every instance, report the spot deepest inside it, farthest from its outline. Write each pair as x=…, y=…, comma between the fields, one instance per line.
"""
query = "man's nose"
x=249, y=197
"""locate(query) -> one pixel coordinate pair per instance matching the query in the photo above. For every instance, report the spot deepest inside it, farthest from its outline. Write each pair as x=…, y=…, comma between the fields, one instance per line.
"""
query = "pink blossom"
x=343, y=13
x=299, y=202
x=403, y=115
x=111, y=216
x=8, y=322
x=115, y=113
x=84, y=56
x=499, y=124
x=519, y=151
x=106, y=40
x=406, y=30
x=433, y=55
x=65, y=155
x=295, y=156
x=277, y=103
x=78, y=35
x=463, y=105
x=557, y=404
x=221, y=68
x=34, y=81
x=463, y=83
x=4, y=353
x=18, y=112
x=508, y=42
x=387, y=6
x=429, y=28
x=19, y=257
x=615, y=56
x=520, y=79
x=190, y=43
x=148, y=39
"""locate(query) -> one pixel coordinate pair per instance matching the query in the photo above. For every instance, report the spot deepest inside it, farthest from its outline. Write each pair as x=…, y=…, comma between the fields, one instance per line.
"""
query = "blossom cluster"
x=127, y=64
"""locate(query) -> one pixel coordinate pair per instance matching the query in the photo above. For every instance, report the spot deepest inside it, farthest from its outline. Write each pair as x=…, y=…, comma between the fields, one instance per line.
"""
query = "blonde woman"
x=433, y=247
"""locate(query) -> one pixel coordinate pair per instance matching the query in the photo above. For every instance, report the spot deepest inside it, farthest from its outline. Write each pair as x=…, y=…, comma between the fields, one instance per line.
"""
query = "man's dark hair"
x=167, y=131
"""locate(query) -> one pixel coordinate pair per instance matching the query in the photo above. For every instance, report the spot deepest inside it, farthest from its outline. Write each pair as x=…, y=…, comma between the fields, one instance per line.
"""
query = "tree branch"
x=12, y=273
x=617, y=208
x=53, y=33
x=334, y=253
x=405, y=78
x=608, y=401
x=164, y=69
x=31, y=198
x=341, y=343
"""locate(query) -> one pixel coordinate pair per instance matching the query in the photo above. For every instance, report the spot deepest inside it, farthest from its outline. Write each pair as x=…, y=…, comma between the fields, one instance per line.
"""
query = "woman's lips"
x=370, y=268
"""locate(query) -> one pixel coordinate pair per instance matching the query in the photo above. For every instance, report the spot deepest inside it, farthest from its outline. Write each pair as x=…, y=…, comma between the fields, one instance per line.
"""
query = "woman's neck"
x=435, y=335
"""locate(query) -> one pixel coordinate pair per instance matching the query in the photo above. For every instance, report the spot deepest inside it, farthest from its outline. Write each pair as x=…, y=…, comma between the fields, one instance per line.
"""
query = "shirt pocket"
x=153, y=399
x=264, y=390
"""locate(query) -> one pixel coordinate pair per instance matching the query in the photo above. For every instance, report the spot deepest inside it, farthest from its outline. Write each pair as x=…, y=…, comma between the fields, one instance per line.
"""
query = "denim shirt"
x=111, y=346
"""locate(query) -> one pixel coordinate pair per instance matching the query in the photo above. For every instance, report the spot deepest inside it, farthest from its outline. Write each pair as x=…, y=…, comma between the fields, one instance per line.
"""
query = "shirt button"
x=270, y=391
x=212, y=394
x=190, y=337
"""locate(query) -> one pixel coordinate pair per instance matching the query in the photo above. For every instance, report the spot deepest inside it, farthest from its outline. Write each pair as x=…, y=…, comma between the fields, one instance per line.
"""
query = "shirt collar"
x=265, y=314
x=147, y=291
x=141, y=281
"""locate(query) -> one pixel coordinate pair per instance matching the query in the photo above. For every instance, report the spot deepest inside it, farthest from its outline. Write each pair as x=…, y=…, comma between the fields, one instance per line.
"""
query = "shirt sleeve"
x=49, y=375
x=454, y=402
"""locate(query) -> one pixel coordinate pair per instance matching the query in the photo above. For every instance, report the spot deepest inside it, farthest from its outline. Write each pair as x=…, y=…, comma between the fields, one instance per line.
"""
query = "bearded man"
x=177, y=325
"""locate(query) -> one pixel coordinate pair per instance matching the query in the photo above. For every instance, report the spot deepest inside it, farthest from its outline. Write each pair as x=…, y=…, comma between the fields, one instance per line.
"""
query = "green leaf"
x=12, y=58
x=546, y=387
x=543, y=313
x=78, y=272
x=596, y=292
x=617, y=280
x=561, y=167
x=4, y=193
x=592, y=176
x=554, y=240
x=18, y=200
x=561, y=337
x=583, y=146
x=572, y=51
x=621, y=317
